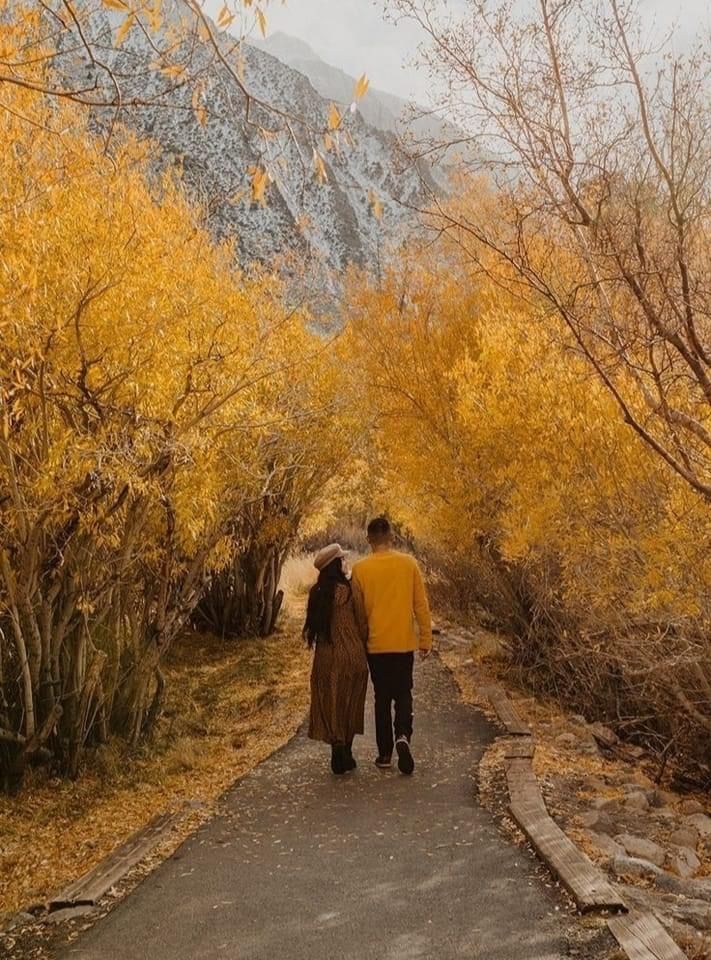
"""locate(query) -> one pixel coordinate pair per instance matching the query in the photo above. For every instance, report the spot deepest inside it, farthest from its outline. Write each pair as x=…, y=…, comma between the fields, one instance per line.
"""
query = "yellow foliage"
x=490, y=430
x=153, y=399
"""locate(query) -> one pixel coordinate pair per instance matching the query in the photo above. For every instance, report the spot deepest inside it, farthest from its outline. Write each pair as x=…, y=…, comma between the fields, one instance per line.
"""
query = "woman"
x=335, y=626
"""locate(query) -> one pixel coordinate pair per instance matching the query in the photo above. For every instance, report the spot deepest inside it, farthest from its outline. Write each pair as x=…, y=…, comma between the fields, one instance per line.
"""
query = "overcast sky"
x=353, y=35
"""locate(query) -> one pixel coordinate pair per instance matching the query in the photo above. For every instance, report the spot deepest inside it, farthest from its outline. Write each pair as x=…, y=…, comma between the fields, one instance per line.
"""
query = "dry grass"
x=297, y=577
x=229, y=706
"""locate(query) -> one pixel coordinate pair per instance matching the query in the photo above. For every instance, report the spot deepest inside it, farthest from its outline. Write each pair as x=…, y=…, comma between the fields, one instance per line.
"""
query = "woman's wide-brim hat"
x=327, y=555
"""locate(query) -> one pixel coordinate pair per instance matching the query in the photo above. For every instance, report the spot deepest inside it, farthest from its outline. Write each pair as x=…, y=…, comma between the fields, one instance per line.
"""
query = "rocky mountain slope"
x=380, y=109
x=350, y=214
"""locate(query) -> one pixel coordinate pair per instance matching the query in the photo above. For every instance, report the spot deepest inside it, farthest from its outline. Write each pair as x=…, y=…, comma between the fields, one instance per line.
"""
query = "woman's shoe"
x=339, y=759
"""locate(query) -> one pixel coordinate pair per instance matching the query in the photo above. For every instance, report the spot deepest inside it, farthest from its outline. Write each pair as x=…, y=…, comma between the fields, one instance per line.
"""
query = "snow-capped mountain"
x=365, y=190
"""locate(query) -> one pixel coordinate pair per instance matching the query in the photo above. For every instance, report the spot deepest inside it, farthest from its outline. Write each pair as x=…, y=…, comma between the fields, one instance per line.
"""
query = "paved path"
x=301, y=865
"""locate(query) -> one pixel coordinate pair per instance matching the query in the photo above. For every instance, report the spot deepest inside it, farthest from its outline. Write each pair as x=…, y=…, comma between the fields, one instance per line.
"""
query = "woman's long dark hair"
x=317, y=628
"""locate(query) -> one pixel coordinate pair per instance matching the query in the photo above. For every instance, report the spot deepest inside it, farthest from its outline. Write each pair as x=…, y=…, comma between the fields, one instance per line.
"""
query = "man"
x=391, y=588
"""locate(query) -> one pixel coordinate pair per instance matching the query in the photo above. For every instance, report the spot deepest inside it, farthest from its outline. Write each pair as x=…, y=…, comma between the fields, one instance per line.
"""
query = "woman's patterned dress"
x=339, y=677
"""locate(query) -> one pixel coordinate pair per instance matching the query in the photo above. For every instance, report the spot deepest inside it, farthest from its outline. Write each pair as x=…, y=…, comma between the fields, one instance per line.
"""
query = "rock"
x=607, y=825
x=684, y=862
x=694, y=889
x=603, y=734
x=600, y=821
x=579, y=719
x=702, y=822
x=685, y=837
x=634, y=867
x=567, y=740
x=594, y=784
x=17, y=920
x=642, y=849
x=636, y=800
x=695, y=912
x=689, y=805
x=635, y=752
x=606, y=844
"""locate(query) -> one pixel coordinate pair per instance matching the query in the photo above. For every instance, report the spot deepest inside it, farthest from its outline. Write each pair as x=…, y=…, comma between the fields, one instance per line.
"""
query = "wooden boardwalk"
x=642, y=937
x=586, y=883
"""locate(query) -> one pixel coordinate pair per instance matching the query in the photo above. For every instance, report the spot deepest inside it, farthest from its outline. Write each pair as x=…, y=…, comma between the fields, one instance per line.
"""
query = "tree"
x=151, y=396
x=601, y=154
x=503, y=453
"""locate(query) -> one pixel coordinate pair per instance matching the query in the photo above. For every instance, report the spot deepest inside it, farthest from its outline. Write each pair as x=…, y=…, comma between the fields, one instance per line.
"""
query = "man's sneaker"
x=383, y=763
x=405, y=763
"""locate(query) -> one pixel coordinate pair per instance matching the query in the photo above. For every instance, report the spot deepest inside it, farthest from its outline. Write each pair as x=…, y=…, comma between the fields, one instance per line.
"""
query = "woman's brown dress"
x=339, y=676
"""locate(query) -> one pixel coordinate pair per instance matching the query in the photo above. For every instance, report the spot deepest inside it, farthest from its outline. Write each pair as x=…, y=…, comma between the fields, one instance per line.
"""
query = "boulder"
x=594, y=784
x=606, y=844
x=702, y=822
x=635, y=867
x=601, y=822
x=694, y=889
x=694, y=912
x=684, y=862
x=604, y=735
x=590, y=818
x=689, y=805
x=685, y=837
x=642, y=849
x=568, y=740
x=636, y=800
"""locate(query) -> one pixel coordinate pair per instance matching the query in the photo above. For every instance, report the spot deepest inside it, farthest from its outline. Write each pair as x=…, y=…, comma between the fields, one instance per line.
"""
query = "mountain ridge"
x=334, y=222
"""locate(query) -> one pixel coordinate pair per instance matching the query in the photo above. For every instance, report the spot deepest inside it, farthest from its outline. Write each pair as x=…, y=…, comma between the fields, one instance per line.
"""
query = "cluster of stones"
x=656, y=844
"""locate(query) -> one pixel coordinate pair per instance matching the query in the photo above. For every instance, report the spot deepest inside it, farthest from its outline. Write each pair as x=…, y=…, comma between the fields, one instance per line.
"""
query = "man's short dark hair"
x=379, y=527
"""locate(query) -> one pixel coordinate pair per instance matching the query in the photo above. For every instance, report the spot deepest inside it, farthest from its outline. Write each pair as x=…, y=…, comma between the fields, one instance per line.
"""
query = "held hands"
x=425, y=652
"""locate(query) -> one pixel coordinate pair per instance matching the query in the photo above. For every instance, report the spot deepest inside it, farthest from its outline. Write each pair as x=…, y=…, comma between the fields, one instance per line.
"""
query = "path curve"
x=300, y=865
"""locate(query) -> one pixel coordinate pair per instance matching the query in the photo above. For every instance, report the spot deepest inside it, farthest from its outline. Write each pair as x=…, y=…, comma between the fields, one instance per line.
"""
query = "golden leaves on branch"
x=376, y=204
x=225, y=17
x=334, y=117
x=261, y=21
x=259, y=180
x=124, y=29
x=319, y=167
x=361, y=87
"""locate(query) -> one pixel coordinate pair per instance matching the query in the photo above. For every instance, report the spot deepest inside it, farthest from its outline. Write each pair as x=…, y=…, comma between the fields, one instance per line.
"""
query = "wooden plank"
x=92, y=886
x=642, y=937
x=506, y=712
x=587, y=884
x=519, y=748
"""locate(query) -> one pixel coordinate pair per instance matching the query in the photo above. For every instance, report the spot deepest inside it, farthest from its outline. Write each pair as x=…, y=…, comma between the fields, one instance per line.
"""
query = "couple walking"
x=366, y=622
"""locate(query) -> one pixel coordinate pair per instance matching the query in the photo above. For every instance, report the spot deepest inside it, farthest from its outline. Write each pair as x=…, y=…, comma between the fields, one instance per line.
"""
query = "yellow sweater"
x=393, y=594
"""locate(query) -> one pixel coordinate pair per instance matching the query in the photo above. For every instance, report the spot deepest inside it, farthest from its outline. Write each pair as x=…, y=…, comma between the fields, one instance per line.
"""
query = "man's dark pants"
x=391, y=674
